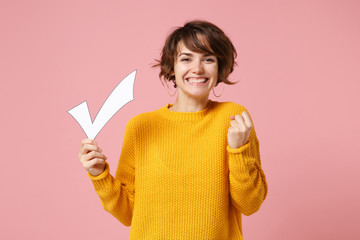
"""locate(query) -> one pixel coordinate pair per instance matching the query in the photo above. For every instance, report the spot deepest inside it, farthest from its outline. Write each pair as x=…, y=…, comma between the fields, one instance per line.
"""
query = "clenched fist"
x=91, y=157
x=239, y=131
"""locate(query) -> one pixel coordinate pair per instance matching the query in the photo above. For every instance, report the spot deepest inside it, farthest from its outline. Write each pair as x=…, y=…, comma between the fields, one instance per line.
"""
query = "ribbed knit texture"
x=177, y=178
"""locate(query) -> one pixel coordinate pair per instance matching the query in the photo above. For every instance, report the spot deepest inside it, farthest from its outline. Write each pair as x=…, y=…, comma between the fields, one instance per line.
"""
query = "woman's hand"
x=91, y=157
x=239, y=131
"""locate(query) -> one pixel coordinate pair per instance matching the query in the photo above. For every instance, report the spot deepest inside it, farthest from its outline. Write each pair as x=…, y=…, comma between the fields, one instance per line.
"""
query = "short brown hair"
x=198, y=36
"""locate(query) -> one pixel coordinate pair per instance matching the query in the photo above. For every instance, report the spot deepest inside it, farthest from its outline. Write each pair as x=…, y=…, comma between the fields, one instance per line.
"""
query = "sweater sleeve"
x=248, y=186
x=117, y=194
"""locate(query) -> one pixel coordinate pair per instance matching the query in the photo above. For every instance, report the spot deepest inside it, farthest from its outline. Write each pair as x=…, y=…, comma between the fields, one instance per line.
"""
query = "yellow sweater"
x=177, y=178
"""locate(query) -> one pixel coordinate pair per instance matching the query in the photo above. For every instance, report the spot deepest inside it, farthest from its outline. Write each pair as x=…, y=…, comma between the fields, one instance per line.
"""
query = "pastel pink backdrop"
x=298, y=73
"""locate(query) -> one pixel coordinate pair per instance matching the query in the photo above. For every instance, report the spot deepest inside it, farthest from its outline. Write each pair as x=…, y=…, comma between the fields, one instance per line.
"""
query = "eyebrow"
x=190, y=54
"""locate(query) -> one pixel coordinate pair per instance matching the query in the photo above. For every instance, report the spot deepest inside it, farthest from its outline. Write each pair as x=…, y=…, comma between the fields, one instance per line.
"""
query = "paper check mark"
x=122, y=94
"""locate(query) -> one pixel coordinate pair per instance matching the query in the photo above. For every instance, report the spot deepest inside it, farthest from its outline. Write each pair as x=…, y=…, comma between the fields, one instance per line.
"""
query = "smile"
x=197, y=81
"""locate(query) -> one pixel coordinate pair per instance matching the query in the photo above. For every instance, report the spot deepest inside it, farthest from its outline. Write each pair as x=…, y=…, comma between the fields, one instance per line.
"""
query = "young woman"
x=188, y=170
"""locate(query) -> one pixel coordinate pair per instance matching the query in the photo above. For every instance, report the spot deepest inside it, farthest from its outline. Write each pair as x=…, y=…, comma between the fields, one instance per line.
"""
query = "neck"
x=183, y=104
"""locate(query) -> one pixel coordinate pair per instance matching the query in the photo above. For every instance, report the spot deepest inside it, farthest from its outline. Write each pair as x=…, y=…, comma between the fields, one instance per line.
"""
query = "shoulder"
x=144, y=118
x=228, y=107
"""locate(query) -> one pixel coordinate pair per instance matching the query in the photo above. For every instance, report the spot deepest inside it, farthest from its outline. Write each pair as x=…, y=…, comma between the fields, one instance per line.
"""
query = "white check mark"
x=119, y=97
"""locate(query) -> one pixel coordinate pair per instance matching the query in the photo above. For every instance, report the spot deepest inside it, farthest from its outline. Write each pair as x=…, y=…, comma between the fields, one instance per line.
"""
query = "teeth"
x=197, y=80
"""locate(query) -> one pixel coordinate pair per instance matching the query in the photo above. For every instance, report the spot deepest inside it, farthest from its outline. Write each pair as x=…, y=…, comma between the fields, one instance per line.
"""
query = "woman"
x=188, y=170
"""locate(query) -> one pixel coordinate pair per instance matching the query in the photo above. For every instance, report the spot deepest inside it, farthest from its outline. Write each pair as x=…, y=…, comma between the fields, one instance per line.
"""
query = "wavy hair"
x=198, y=36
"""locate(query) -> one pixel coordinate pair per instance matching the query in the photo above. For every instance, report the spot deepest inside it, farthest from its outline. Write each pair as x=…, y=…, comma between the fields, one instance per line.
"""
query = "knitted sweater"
x=177, y=178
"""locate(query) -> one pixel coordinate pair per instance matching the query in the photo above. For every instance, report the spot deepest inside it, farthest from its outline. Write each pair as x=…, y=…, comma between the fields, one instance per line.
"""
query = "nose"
x=197, y=67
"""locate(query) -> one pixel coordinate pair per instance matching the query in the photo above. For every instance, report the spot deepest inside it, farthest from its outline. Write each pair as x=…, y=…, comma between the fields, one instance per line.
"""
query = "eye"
x=209, y=60
x=185, y=59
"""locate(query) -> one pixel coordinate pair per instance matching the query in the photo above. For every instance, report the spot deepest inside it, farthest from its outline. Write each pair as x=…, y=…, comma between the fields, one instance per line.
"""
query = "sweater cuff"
x=238, y=150
x=102, y=179
x=240, y=158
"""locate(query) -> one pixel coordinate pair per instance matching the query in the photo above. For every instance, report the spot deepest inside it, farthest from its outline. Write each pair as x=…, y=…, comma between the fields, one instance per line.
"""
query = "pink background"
x=298, y=67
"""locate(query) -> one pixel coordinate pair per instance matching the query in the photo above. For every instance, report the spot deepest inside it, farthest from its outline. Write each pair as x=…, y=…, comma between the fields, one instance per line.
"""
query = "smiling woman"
x=198, y=50
x=200, y=37
x=195, y=75
x=188, y=170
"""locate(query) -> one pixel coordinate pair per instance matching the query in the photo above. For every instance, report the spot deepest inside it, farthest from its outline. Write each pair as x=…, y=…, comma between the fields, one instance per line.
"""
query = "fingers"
x=88, y=141
x=239, y=131
x=247, y=119
x=241, y=121
x=93, y=154
x=91, y=159
x=90, y=150
x=88, y=145
x=93, y=162
x=238, y=122
x=86, y=148
x=232, y=130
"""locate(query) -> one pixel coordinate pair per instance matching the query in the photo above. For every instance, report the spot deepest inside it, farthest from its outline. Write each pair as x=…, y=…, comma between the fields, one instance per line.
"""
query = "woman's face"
x=195, y=73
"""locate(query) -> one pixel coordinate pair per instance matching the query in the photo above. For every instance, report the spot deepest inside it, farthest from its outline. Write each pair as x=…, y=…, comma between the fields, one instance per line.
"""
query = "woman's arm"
x=248, y=187
x=117, y=194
